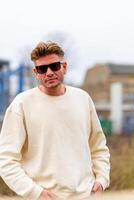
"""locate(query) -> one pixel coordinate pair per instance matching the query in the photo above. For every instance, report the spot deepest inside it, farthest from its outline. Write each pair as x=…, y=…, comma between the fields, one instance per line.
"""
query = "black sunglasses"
x=42, y=69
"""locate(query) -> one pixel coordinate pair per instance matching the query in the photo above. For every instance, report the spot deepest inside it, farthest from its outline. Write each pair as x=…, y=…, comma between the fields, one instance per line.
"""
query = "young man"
x=51, y=143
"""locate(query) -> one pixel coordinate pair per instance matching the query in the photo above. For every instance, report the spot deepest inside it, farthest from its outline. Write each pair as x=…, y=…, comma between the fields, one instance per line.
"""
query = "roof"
x=121, y=69
x=4, y=62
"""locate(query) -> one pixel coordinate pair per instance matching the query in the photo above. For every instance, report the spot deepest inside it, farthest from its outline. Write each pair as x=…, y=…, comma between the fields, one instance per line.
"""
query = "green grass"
x=122, y=162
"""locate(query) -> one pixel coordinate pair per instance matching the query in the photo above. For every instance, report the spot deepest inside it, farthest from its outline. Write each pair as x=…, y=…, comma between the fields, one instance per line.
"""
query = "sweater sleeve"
x=99, y=150
x=12, y=138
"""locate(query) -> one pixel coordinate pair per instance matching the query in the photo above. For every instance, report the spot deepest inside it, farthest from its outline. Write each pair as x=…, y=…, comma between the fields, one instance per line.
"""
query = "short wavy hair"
x=46, y=48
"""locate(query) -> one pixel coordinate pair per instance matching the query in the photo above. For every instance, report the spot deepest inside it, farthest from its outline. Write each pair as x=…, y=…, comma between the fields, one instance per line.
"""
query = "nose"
x=49, y=72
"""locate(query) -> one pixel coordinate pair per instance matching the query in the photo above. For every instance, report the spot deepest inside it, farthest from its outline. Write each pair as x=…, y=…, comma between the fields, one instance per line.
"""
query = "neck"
x=54, y=91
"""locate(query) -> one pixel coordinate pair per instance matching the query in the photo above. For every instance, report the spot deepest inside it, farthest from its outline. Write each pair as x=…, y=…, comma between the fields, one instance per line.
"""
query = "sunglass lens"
x=41, y=69
x=55, y=66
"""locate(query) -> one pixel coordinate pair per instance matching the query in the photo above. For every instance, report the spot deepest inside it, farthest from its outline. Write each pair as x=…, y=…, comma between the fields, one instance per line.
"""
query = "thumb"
x=95, y=187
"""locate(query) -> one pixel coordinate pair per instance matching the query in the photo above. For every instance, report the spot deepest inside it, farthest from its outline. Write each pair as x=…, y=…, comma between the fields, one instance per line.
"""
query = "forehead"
x=48, y=59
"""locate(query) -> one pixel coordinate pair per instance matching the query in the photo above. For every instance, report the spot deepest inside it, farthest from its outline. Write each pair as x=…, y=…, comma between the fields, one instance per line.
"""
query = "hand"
x=97, y=187
x=46, y=194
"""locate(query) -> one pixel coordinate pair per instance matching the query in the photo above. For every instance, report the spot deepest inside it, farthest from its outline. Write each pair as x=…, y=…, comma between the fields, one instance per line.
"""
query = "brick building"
x=98, y=82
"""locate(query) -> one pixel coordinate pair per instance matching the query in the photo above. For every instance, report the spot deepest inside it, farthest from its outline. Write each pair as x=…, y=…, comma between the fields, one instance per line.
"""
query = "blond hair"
x=44, y=49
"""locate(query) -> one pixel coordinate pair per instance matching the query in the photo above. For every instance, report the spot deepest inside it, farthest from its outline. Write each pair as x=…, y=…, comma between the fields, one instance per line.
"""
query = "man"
x=51, y=144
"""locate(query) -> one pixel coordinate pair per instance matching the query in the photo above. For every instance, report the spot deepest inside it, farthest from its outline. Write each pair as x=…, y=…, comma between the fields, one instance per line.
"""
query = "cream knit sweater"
x=53, y=142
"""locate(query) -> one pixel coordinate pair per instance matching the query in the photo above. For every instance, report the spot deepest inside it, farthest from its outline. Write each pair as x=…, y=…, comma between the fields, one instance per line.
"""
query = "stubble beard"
x=51, y=86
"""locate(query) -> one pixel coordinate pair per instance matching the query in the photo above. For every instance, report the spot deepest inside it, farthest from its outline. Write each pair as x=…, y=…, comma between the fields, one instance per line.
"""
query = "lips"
x=49, y=80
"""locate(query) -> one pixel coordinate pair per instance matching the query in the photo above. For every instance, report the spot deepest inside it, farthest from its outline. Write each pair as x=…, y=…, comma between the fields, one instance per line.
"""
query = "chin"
x=53, y=85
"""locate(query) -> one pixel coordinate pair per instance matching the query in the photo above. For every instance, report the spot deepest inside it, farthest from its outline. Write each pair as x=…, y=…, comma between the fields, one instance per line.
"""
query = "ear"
x=35, y=72
x=65, y=67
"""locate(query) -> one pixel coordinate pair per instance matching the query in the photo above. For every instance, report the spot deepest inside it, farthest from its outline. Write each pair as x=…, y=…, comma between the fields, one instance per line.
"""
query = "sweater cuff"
x=35, y=193
x=103, y=182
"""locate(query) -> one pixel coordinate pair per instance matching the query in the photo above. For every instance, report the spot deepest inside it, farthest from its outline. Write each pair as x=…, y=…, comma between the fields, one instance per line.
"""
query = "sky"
x=101, y=30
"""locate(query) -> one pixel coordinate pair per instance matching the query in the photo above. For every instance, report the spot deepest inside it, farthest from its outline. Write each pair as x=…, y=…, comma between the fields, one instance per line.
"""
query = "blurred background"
x=98, y=39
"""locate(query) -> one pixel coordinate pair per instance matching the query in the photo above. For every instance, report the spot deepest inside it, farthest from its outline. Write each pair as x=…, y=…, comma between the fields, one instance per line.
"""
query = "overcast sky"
x=103, y=30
